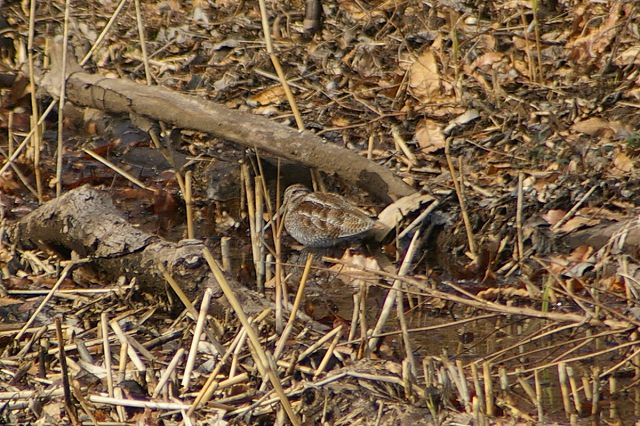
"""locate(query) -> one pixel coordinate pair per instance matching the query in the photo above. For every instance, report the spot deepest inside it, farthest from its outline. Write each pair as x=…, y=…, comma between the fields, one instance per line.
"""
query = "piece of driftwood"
x=85, y=221
x=252, y=131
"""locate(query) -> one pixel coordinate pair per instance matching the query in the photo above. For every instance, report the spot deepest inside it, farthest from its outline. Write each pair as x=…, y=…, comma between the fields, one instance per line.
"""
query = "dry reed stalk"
x=574, y=209
x=395, y=292
x=401, y=145
x=188, y=200
x=564, y=389
x=61, y=100
x=225, y=253
x=419, y=220
x=464, y=388
x=318, y=344
x=354, y=314
x=131, y=352
x=35, y=337
x=251, y=212
x=525, y=31
x=260, y=356
x=280, y=284
x=104, y=32
x=212, y=384
x=488, y=390
x=153, y=405
x=329, y=352
x=526, y=387
x=117, y=169
x=504, y=380
x=586, y=387
x=106, y=351
x=538, y=401
x=407, y=380
x=477, y=413
x=294, y=310
x=363, y=347
x=27, y=138
x=519, y=207
x=237, y=351
x=62, y=359
x=574, y=389
x=476, y=385
x=189, y=306
x=20, y=175
x=595, y=391
x=278, y=67
x=621, y=363
x=460, y=194
x=268, y=272
x=10, y=133
x=122, y=368
x=35, y=126
x=370, y=144
x=63, y=275
x=613, y=389
x=166, y=374
x=143, y=44
x=535, y=6
x=193, y=351
x=260, y=195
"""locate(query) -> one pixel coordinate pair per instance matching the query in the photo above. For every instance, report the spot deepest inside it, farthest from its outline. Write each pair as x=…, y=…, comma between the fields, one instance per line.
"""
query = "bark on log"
x=84, y=220
x=249, y=130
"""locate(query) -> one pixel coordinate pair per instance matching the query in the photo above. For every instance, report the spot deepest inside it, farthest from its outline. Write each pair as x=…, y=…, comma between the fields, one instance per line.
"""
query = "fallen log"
x=249, y=130
x=85, y=221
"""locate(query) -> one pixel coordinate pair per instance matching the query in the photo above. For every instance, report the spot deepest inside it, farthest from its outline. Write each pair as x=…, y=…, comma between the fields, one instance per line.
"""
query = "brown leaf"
x=429, y=135
x=424, y=79
x=553, y=216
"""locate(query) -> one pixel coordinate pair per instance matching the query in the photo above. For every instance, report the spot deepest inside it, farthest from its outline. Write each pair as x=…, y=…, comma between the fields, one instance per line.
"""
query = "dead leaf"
x=273, y=95
x=553, y=216
x=429, y=135
x=424, y=79
x=591, y=126
x=622, y=162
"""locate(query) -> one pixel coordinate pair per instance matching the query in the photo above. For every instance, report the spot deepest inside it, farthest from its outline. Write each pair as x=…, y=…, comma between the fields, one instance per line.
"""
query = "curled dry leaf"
x=355, y=268
x=395, y=212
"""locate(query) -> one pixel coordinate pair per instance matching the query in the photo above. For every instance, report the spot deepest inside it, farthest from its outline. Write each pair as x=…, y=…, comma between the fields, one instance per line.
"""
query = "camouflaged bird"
x=319, y=219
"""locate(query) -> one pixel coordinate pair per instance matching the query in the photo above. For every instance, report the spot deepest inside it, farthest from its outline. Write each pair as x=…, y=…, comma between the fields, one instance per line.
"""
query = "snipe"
x=319, y=219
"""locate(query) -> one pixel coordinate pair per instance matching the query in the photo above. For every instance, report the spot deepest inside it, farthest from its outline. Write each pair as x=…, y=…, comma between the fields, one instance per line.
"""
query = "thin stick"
x=63, y=276
x=104, y=32
x=189, y=306
x=188, y=200
x=116, y=169
x=62, y=358
x=106, y=349
x=143, y=44
x=259, y=355
x=131, y=352
x=328, y=353
x=296, y=305
x=519, y=235
x=63, y=78
x=35, y=125
x=193, y=351
x=461, y=201
x=393, y=294
x=259, y=227
x=278, y=67
x=574, y=209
